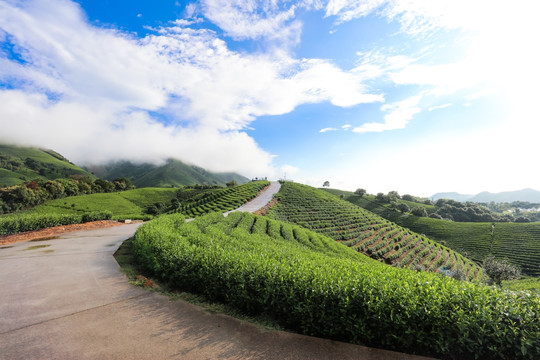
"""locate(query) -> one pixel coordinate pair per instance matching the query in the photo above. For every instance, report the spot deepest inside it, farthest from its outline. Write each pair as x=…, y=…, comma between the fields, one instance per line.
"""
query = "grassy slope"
x=57, y=166
x=129, y=203
x=519, y=242
x=322, y=212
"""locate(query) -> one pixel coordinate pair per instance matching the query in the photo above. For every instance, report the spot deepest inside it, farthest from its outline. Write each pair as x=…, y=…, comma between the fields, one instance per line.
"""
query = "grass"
x=128, y=265
x=125, y=204
x=527, y=284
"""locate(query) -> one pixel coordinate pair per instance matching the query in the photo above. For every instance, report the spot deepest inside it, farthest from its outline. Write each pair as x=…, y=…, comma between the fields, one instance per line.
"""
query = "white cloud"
x=251, y=19
x=346, y=127
x=328, y=129
x=346, y=10
x=289, y=169
x=399, y=115
x=107, y=90
x=437, y=107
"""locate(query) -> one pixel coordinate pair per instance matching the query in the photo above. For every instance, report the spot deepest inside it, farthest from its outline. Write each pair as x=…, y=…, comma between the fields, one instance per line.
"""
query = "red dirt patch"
x=57, y=230
x=267, y=207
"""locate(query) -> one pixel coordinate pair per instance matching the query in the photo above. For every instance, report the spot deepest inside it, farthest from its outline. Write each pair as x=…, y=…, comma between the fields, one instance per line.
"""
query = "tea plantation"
x=366, y=232
x=518, y=242
x=311, y=284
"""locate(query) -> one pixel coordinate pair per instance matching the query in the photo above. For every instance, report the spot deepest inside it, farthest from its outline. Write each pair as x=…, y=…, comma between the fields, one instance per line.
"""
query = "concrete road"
x=66, y=298
x=260, y=201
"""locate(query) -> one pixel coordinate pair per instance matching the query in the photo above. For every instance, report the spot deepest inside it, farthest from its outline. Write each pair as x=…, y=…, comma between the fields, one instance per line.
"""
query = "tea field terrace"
x=366, y=232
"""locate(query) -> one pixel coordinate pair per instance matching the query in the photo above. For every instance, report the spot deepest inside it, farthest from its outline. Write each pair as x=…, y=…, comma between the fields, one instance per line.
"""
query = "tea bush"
x=311, y=284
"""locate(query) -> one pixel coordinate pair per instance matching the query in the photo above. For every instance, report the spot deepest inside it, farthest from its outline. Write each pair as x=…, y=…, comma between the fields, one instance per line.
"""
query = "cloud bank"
x=98, y=94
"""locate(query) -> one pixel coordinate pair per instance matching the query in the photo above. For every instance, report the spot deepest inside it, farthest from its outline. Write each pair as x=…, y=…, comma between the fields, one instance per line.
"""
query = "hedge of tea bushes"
x=13, y=224
x=311, y=284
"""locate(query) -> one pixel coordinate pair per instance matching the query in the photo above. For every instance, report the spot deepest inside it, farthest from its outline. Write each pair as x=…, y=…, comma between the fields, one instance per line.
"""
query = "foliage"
x=129, y=204
x=360, y=192
x=364, y=231
x=499, y=270
x=326, y=184
x=315, y=286
x=15, y=224
x=528, y=284
x=203, y=201
x=467, y=212
x=403, y=207
x=20, y=165
x=25, y=196
x=519, y=242
x=419, y=211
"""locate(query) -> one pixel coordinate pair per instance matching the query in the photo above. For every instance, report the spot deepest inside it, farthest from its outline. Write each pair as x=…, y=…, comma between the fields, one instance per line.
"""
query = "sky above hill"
x=418, y=96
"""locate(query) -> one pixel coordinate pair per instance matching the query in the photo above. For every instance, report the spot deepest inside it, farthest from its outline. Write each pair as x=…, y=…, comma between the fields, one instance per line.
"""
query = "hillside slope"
x=366, y=232
x=22, y=164
x=517, y=242
x=173, y=173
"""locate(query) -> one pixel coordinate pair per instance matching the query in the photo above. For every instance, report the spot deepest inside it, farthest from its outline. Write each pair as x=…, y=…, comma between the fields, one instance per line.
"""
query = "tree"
x=122, y=183
x=381, y=197
x=499, y=270
x=403, y=207
x=419, y=211
x=231, y=184
x=394, y=195
x=360, y=192
x=408, y=197
x=326, y=184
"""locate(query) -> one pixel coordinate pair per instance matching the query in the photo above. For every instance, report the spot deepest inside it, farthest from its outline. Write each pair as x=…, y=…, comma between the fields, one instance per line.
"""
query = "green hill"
x=130, y=204
x=518, y=242
x=367, y=232
x=173, y=173
x=22, y=164
x=144, y=203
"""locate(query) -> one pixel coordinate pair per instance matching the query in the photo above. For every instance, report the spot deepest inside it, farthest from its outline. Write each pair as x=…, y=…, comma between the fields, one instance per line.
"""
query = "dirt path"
x=66, y=298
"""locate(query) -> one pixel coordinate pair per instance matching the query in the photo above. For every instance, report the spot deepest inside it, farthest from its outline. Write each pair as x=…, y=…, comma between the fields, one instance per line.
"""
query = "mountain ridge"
x=527, y=194
x=173, y=173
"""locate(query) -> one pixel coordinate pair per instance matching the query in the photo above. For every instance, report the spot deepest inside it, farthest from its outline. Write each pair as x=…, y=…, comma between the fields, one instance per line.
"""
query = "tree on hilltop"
x=360, y=192
x=326, y=184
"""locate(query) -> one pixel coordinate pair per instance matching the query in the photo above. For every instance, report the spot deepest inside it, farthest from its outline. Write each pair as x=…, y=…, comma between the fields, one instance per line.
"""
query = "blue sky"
x=417, y=96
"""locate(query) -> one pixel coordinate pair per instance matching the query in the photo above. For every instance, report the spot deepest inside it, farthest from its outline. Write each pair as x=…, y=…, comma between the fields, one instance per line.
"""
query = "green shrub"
x=20, y=223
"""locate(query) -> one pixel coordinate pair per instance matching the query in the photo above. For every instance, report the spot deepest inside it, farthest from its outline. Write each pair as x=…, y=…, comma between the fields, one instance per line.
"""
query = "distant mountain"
x=172, y=173
x=22, y=164
x=530, y=195
x=451, y=195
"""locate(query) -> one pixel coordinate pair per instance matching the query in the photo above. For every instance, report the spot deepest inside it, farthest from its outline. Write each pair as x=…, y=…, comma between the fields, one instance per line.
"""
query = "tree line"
x=36, y=192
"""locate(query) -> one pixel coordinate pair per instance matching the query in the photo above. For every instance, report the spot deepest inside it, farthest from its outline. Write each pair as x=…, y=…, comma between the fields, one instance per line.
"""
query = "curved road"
x=65, y=298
